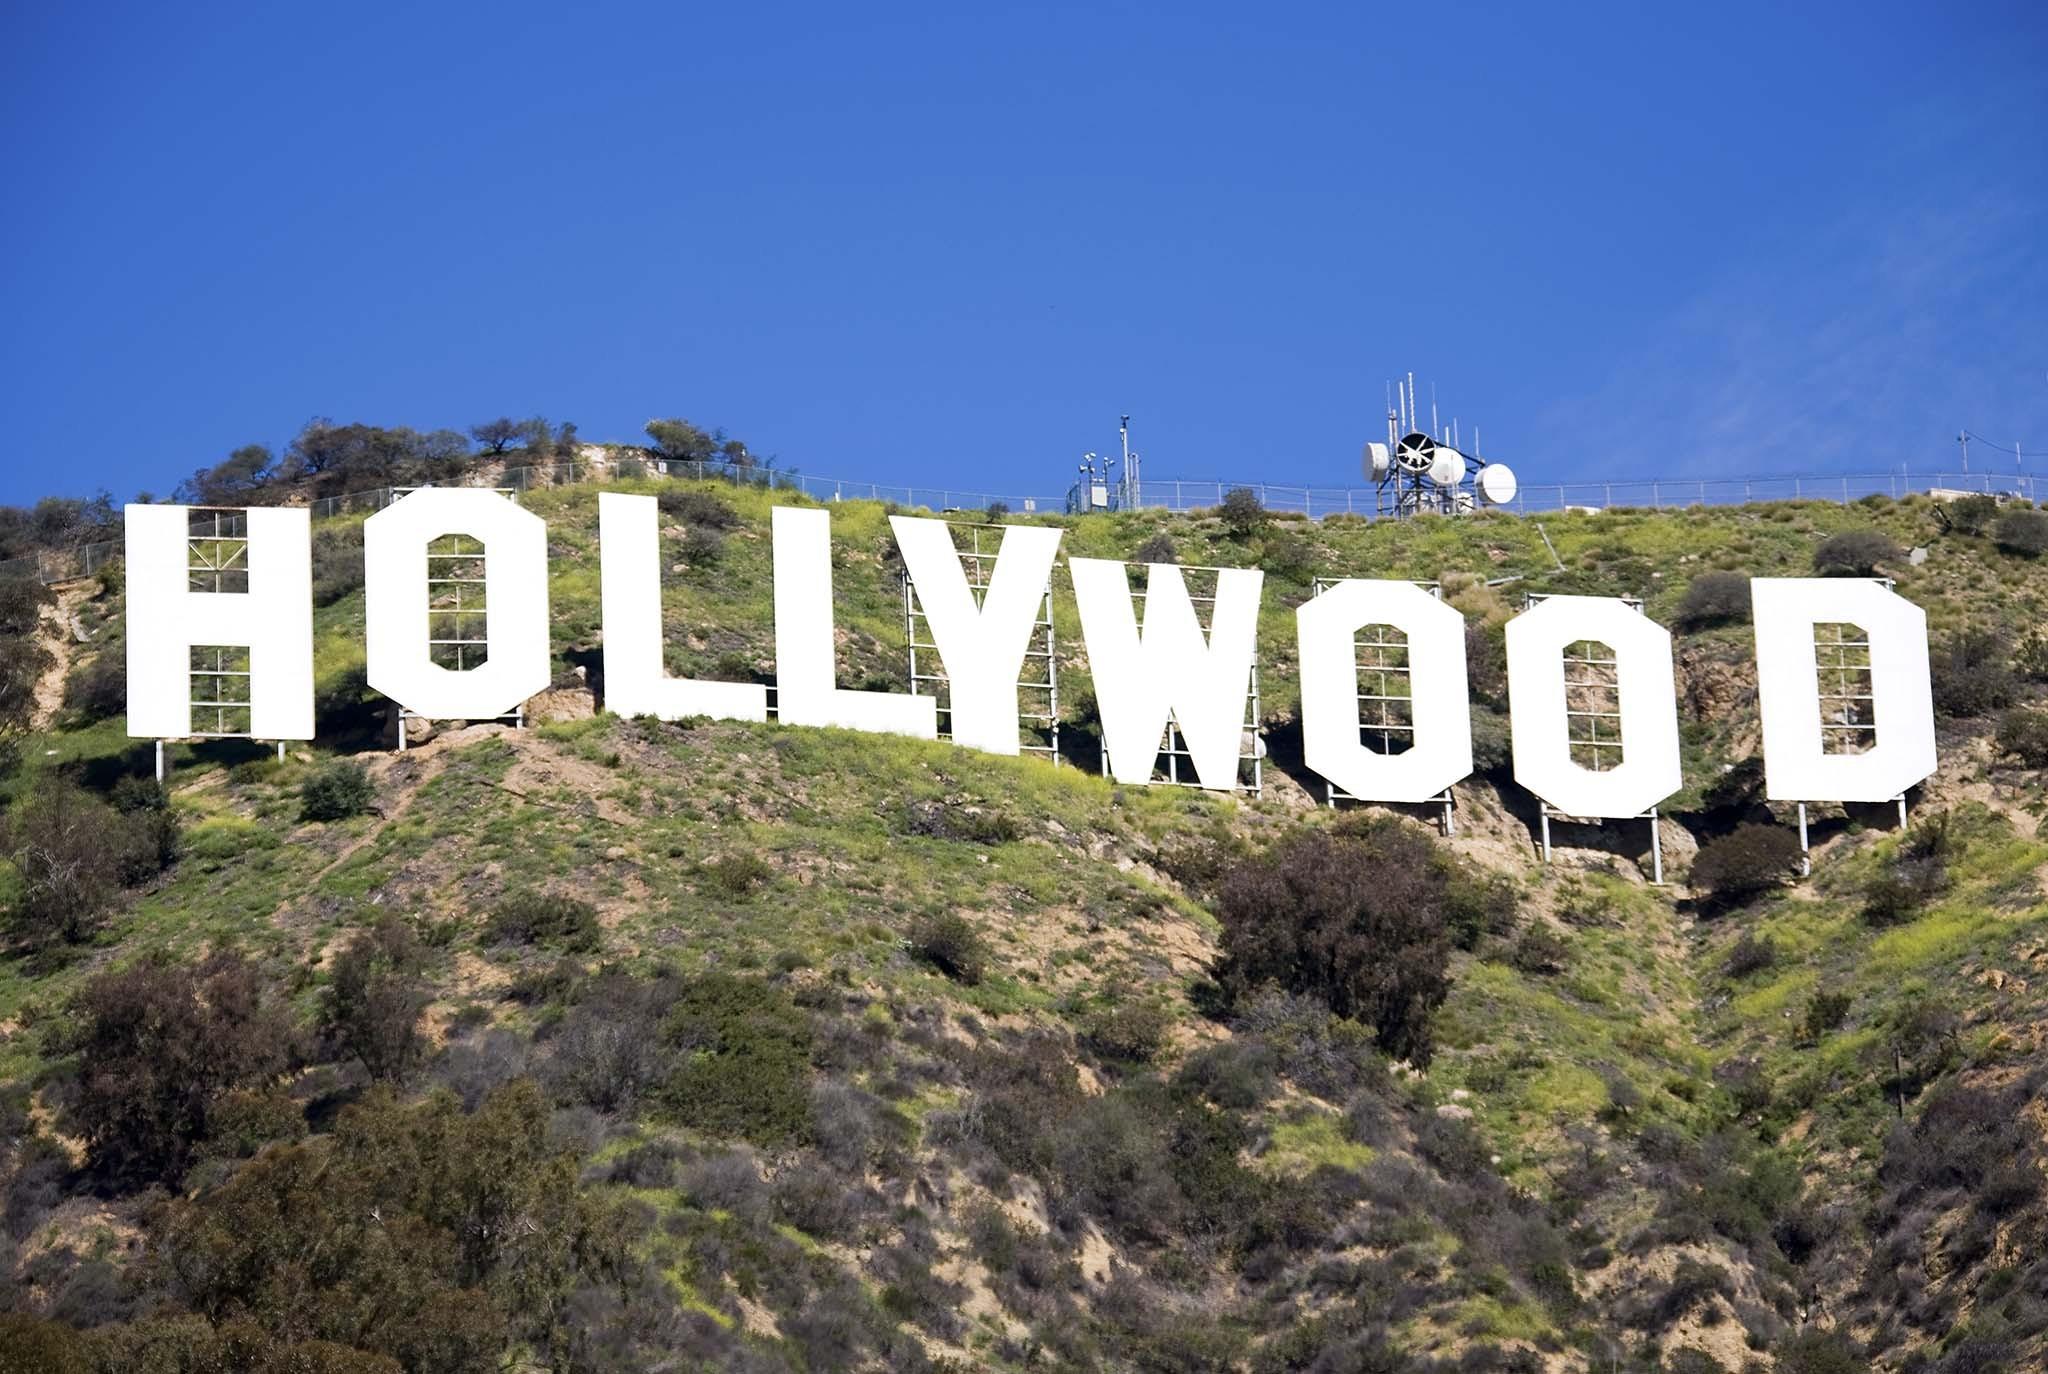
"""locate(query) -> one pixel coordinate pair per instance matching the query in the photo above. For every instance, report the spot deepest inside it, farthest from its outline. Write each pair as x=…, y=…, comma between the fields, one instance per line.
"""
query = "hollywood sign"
x=1149, y=671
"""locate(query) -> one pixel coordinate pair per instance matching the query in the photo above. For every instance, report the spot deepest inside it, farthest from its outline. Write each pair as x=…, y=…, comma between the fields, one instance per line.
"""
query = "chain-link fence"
x=1177, y=494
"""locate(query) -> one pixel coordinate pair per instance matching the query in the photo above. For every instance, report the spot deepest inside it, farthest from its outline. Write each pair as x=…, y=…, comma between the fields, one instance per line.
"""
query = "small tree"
x=335, y=791
x=376, y=997
x=1157, y=549
x=679, y=441
x=1746, y=862
x=1241, y=513
x=2022, y=530
x=498, y=435
x=1854, y=553
x=1714, y=598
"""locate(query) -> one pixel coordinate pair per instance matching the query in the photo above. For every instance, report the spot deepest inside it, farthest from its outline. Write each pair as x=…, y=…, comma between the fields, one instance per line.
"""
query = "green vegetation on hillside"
x=610, y=1042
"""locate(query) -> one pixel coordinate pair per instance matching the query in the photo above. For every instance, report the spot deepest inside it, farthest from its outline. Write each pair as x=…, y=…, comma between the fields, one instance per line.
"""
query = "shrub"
x=1971, y=674
x=335, y=791
x=97, y=689
x=703, y=547
x=1132, y=1031
x=2023, y=733
x=545, y=918
x=606, y=1052
x=1539, y=950
x=1286, y=554
x=1750, y=954
x=1969, y=514
x=162, y=1047
x=1818, y=1352
x=376, y=997
x=1361, y=919
x=746, y=1060
x=1157, y=549
x=71, y=852
x=738, y=874
x=1854, y=553
x=950, y=943
x=1714, y=598
x=337, y=562
x=697, y=508
x=1241, y=513
x=997, y=510
x=1747, y=861
x=2022, y=531
x=1826, y=1012
x=1915, y=875
x=944, y=821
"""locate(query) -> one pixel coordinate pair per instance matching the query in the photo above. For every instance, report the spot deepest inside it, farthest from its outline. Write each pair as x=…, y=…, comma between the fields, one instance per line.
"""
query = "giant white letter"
x=635, y=684
x=166, y=619
x=1649, y=771
x=982, y=646
x=1440, y=751
x=397, y=617
x=1168, y=671
x=1796, y=768
x=806, y=691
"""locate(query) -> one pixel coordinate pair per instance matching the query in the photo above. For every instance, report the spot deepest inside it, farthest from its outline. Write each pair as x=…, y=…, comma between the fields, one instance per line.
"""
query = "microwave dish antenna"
x=1496, y=484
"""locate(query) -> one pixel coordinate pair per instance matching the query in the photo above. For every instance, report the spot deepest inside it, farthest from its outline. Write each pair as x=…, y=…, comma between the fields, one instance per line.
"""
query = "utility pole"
x=1963, y=438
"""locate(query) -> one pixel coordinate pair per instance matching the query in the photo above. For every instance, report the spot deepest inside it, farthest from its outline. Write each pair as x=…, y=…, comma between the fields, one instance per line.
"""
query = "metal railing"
x=1174, y=494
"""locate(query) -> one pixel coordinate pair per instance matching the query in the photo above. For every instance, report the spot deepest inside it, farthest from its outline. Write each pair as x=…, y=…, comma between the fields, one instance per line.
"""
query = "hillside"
x=615, y=1045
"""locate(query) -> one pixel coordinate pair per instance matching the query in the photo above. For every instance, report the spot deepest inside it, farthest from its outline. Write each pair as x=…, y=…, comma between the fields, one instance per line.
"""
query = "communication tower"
x=1101, y=486
x=1421, y=471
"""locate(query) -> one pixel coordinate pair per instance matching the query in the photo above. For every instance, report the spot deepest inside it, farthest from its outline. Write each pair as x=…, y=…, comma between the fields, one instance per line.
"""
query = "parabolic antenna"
x=1378, y=461
x=1446, y=466
x=1496, y=484
x=1415, y=453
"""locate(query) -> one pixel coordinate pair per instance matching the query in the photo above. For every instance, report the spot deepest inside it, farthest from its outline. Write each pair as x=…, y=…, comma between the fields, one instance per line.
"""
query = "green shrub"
x=1157, y=549
x=545, y=918
x=1971, y=674
x=1746, y=862
x=1750, y=954
x=97, y=688
x=2023, y=733
x=946, y=821
x=696, y=508
x=1818, y=1352
x=1916, y=874
x=1241, y=513
x=746, y=1060
x=950, y=943
x=1969, y=514
x=335, y=791
x=2022, y=531
x=1826, y=1012
x=703, y=547
x=1854, y=553
x=1131, y=1031
x=1287, y=555
x=72, y=853
x=375, y=997
x=1540, y=950
x=738, y=874
x=1360, y=918
x=1714, y=598
x=337, y=562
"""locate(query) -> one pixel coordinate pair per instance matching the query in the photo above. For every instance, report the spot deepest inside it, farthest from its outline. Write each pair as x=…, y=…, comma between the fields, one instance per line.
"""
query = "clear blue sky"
x=907, y=244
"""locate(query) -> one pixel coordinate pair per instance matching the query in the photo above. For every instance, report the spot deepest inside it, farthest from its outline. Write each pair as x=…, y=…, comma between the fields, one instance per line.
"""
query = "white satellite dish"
x=1446, y=466
x=1496, y=484
x=1378, y=460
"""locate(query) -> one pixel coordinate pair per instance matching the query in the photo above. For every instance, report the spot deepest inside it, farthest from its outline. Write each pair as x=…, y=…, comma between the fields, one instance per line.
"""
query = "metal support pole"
x=1450, y=821
x=1544, y=811
x=1902, y=811
x=401, y=731
x=280, y=751
x=159, y=760
x=1656, y=852
x=1805, y=853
